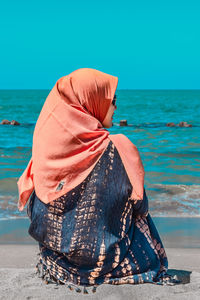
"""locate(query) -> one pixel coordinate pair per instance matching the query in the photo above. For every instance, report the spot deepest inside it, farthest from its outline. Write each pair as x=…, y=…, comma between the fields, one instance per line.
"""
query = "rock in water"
x=13, y=122
x=184, y=124
x=123, y=123
x=171, y=124
x=5, y=122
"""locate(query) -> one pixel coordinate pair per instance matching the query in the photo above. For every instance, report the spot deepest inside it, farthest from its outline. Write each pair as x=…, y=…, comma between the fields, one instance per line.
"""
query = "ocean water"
x=170, y=155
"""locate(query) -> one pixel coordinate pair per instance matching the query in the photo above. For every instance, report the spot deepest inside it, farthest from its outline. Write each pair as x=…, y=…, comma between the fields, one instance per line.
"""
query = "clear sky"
x=147, y=44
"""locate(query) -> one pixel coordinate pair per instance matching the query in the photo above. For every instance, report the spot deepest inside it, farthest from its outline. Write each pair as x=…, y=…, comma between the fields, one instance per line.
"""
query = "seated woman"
x=88, y=206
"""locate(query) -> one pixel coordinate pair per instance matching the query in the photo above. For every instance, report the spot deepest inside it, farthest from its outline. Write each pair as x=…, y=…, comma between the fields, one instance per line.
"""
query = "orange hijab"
x=69, y=138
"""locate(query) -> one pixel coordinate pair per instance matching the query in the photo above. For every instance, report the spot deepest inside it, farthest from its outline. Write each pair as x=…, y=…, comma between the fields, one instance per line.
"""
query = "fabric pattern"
x=95, y=234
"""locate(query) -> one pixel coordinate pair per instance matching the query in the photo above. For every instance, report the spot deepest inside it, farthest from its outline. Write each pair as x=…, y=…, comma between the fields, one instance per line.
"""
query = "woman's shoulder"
x=120, y=136
x=122, y=140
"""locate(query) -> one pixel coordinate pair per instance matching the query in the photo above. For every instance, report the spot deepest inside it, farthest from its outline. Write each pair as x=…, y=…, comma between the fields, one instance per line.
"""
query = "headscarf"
x=69, y=138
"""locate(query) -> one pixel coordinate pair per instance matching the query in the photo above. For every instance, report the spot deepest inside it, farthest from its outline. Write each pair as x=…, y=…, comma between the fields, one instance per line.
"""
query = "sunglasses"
x=114, y=100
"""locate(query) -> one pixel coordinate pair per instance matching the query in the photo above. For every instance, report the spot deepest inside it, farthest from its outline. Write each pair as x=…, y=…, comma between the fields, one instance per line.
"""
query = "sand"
x=19, y=281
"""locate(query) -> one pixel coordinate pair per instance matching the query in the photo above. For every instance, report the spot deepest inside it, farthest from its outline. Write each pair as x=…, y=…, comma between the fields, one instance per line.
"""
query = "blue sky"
x=146, y=44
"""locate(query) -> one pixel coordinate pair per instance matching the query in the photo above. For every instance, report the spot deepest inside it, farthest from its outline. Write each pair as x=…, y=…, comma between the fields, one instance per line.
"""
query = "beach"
x=19, y=280
x=18, y=258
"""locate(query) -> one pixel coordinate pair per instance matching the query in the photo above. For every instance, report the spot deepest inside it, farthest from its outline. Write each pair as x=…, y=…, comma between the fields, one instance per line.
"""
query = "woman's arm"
x=141, y=207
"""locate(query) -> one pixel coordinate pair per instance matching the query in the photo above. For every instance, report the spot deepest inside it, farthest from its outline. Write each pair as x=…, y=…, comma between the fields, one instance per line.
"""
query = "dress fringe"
x=44, y=272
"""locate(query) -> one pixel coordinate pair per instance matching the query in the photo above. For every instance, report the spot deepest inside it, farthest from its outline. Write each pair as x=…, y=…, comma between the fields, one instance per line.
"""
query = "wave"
x=165, y=200
x=176, y=154
x=18, y=148
x=13, y=218
x=174, y=199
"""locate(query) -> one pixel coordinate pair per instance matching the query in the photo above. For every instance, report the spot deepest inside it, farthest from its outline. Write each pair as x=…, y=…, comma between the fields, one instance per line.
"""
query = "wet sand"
x=19, y=281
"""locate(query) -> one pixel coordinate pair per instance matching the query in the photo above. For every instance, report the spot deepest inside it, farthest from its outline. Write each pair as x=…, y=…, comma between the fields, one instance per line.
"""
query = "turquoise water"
x=171, y=155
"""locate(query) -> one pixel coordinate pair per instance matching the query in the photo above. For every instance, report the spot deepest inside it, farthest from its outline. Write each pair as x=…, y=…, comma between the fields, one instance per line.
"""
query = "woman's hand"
x=140, y=207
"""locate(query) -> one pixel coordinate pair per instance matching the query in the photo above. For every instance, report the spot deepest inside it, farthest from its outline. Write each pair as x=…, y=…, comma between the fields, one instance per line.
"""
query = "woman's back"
x=96, y=210
x=92, y=234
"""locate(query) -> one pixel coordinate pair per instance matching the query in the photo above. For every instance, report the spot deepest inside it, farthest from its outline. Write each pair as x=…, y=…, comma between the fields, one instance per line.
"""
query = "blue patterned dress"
x=95, y=234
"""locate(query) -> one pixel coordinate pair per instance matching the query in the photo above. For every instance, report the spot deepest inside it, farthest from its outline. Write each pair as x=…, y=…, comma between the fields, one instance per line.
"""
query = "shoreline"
x=175, y=232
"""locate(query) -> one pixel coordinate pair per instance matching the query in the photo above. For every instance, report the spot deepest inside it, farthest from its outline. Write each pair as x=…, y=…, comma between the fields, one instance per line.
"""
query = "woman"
x=88, y=208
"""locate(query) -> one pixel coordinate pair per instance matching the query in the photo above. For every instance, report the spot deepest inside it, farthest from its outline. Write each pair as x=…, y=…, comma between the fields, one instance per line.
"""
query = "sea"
x=170, y=155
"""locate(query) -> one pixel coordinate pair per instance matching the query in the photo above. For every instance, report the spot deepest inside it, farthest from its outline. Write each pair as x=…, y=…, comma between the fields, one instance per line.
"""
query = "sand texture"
x=19, y=281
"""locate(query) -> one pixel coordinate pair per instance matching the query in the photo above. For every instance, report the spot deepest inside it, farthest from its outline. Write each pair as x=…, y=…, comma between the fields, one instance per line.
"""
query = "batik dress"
x=95, y=233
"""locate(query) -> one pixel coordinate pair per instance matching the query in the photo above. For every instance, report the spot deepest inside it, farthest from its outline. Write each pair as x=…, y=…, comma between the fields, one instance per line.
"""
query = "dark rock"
x=13, y=122
x=5, y=122
x=123, y=123
x=171, y=124
x=184, y=124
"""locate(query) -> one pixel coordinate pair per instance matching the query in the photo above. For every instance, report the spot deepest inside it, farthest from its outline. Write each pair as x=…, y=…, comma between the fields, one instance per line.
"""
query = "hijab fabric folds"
x=69, y=138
